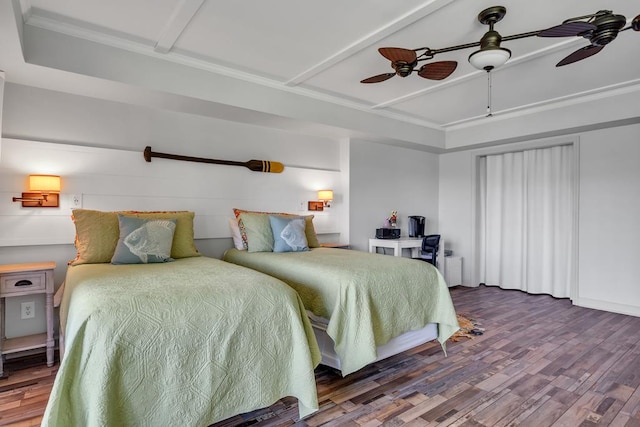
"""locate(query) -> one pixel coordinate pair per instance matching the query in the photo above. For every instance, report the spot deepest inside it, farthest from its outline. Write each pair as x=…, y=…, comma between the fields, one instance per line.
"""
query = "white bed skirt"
x=396, y=345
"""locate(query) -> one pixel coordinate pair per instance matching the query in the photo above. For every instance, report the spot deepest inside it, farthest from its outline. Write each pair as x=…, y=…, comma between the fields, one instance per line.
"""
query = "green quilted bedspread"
x=368, y=298
x=184, y=343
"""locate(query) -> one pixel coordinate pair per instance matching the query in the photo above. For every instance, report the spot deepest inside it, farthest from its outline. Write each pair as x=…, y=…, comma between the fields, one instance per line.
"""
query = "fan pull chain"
x=489, y=113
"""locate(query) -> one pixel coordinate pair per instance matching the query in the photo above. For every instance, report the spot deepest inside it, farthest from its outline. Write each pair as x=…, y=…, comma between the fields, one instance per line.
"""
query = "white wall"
x=608, y=228
x=384, y=178
x=456, y=206
x=609, y=248
x=96, y=147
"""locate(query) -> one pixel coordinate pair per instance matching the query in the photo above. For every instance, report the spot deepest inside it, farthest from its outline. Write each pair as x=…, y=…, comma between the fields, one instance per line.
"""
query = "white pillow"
x=235, y=234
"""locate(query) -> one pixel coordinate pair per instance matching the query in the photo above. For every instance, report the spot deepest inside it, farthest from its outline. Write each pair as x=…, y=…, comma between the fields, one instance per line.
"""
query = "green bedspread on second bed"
x=368, y=298
x=184, y=343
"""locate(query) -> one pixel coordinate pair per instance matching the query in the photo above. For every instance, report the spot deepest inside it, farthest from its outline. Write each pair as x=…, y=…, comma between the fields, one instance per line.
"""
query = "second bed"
x=364, y=307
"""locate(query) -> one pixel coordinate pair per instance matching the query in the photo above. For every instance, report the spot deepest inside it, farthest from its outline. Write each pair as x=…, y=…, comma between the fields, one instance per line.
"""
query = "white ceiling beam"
x=49, y=49
x=182, y=15
x=392, y=27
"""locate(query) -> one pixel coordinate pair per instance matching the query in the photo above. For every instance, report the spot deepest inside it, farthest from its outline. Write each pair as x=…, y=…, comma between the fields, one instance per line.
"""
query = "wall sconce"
x=324, y=201
x=43, y=192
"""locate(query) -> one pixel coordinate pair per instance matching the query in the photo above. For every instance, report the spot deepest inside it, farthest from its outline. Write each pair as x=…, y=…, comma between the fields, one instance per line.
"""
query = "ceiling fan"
x=599, y=28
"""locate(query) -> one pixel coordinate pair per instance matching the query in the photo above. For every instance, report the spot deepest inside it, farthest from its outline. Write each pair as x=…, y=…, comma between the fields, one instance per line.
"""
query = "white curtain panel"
x=526, y=220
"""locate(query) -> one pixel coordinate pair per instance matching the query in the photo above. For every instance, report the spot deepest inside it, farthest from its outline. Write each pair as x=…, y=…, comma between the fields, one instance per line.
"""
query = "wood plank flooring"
x=541, y=362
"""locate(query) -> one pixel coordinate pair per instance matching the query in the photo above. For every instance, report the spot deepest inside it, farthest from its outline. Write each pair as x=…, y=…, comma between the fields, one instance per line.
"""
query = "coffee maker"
x=416, y=226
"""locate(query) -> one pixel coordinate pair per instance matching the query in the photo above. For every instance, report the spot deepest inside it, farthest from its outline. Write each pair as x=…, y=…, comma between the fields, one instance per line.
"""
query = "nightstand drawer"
x=22, y=282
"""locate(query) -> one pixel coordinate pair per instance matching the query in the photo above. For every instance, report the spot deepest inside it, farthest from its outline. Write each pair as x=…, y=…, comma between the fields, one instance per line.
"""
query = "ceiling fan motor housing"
x=490, y=40
x=403, y=69
x=607, y=29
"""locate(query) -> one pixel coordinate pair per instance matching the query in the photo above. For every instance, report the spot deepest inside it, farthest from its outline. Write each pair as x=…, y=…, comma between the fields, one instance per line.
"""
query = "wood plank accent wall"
x=115, y=179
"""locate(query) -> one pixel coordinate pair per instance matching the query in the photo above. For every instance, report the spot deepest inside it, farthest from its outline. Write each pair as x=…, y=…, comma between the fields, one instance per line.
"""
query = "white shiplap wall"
x=113, y=179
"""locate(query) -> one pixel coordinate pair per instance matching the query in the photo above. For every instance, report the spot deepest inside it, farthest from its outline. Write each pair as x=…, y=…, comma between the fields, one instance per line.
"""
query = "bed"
x=364, y=307
x=191, y=341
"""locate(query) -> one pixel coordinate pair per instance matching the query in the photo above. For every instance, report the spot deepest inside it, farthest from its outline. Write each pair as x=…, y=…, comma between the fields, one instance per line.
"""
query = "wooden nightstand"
x=27, y=279
x=335, y=245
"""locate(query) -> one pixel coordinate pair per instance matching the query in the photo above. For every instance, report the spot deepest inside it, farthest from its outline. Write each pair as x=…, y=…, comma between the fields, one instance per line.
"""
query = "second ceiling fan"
x=599, y=28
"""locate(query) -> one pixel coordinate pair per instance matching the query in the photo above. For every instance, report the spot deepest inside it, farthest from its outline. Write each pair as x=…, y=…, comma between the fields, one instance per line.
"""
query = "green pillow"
x=97, y=235
x=288, y=234
x=258, y=231
x=144, y=241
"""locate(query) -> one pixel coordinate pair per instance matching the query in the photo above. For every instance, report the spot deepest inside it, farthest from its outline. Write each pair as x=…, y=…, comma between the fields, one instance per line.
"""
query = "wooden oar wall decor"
x=254, y=165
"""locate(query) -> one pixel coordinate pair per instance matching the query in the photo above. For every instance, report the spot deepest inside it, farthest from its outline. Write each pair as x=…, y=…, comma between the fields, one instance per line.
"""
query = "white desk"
x=413, y=243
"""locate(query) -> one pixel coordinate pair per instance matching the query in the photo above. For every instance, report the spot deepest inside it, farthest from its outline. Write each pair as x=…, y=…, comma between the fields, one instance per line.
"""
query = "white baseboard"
x=631, y=310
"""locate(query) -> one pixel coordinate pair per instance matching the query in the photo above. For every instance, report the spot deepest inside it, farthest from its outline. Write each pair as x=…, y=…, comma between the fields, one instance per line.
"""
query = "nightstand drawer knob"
x=23, y=283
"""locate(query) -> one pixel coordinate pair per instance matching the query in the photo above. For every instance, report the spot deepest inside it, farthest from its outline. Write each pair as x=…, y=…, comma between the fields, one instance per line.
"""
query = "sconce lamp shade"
x=44, y=183
x=488, y=59
x=325, y=195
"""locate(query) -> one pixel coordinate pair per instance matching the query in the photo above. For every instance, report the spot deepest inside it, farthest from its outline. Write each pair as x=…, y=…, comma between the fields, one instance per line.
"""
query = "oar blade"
x=265, y=166
x=275, y=167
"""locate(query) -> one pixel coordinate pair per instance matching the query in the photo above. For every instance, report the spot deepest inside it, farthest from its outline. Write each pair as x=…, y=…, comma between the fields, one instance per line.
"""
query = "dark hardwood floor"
x=540, y=362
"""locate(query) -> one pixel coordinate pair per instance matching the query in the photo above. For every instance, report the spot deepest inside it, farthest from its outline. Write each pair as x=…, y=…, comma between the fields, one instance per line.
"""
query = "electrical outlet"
x=302, y=205
x=76, y=200
x=28, y=310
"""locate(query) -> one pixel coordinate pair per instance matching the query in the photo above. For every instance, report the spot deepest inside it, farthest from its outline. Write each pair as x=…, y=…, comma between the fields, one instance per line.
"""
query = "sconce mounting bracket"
x=36, y=200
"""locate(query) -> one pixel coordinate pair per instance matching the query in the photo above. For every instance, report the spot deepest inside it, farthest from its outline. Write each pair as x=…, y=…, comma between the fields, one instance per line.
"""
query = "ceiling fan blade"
x=635, y=24
x=568, y=29
x=379, y=78
x=394, y=54
x=437, y=70
x=580, y=54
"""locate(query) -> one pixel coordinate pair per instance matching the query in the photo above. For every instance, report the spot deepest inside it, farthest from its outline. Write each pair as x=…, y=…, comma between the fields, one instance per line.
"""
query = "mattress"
x=394, y=346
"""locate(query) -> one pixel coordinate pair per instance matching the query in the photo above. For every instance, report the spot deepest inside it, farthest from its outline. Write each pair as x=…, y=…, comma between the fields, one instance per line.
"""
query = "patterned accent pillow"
x=235, y=234
x=309, y=230
x=288, y=234
x=144, y=241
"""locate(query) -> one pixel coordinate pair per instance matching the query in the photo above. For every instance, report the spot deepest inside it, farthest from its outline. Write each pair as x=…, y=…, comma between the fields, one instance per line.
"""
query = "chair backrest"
x=431, y=241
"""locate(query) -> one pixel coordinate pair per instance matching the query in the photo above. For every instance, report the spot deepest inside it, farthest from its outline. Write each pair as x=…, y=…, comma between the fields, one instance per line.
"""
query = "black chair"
x=429, y=250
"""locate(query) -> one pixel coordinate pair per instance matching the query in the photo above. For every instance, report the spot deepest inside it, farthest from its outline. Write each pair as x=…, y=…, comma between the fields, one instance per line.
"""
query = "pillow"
x=97, y=234
x=235, y=234
x=144, y=241
x=257, y=228
x=288, y=234
x=183, y=244
x=309, y=230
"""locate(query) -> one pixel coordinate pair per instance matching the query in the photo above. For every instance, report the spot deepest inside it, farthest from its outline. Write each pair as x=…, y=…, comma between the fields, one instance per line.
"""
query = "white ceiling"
x=319, y=51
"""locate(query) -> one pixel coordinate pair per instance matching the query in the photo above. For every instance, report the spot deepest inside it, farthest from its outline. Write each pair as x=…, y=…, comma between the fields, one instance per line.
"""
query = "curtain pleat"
x=526, y=220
